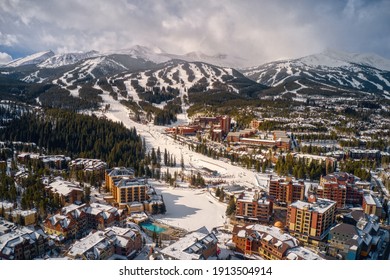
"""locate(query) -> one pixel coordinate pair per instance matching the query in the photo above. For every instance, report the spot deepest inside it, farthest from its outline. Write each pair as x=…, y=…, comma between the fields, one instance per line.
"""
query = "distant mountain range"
x=329, y=74
x=330, y=70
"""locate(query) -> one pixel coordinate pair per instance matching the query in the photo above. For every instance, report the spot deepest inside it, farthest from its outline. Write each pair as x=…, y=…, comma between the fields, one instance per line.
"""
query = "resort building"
x=104, y=245
x=269, y=243
x=310, y=222
x=23, y=244
x=67, y=192
x=252, y=207
x=359, y=237
x=286, y=190
x=372, y=205
x=195, y=246
x=113, y=176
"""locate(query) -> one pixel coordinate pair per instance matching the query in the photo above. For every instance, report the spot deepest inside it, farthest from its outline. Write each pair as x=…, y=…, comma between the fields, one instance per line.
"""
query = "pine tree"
x=182, y=162
x=217, y=192
x=222, y=195
x=87, y=194
x=231, y=208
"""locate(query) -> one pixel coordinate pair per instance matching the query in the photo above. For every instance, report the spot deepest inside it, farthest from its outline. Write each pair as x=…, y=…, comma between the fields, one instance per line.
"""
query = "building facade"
x=269, y=243
x=286, y=191
x=372, y=205
x=310, y=222
x=251, y=207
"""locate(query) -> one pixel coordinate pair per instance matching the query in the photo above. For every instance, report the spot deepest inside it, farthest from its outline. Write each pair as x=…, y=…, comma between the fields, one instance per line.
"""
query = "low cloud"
x=5, y=58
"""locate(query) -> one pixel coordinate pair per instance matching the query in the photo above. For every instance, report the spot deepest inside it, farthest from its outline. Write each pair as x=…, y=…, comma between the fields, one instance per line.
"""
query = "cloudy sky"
x=259, y=31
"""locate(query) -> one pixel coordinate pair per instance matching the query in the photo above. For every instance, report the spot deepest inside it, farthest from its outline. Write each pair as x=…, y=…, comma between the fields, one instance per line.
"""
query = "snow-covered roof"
x=61, y=219
x=302, y=253
x=10, y=240
x=270, y=231
x=372, y=200
x=190, y=247
x=130, y=182
x=121, y=171
x=321, y=205
x=6, y=205
x=63, y=187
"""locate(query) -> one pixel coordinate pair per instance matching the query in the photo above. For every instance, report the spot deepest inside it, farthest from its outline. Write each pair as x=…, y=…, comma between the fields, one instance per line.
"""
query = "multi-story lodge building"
x=341, y=188
x=195, y=246
x=113, y=176
x=372, y=205
x=102, y=245
x=75, y=221
x=251, y=207
x=310, y=222
x=131, y=193
x=23, y=244
x=359, y=237
x=286, y=191
x=269, y=243
x=129, y=190
x=67, y=192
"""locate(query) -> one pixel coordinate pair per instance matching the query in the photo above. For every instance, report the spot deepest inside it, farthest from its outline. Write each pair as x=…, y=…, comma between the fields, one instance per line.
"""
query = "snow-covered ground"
x=190, y=209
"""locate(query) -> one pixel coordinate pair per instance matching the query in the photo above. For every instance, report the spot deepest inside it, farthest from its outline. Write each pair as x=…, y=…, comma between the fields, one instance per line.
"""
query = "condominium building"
x=65, y=227
x=268, y=242
x=102, y=245
x=340, y=187
x=359, y=237
x=194, y=246
x=345, y=242
x=333, y=191
x=265, y=241
x=23, y=244
x=113, y=176
x=286, y=191
x=67, y=192
x=310, y=222
x=75, y=221
x=129, y=190
x=251, y=207
x=372, y=205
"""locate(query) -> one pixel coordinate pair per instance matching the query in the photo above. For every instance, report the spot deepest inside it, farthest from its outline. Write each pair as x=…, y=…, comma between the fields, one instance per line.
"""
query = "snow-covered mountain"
x=329, y=73
x=32, y=59
x=362, y=72
x=189, y=76
x=66, y=59
x=334, y=58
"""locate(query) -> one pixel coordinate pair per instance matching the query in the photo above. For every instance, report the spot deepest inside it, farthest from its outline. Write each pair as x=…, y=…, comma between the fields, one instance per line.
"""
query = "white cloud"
x=260, y=31
x=8, y=39
x=5, y=58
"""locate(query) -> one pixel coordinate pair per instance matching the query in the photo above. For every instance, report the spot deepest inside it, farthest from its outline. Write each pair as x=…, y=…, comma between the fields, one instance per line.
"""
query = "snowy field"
x=190, y=209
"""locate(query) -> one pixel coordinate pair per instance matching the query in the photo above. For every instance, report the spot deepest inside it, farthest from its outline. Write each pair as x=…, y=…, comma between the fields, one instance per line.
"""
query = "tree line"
x=65, y=132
